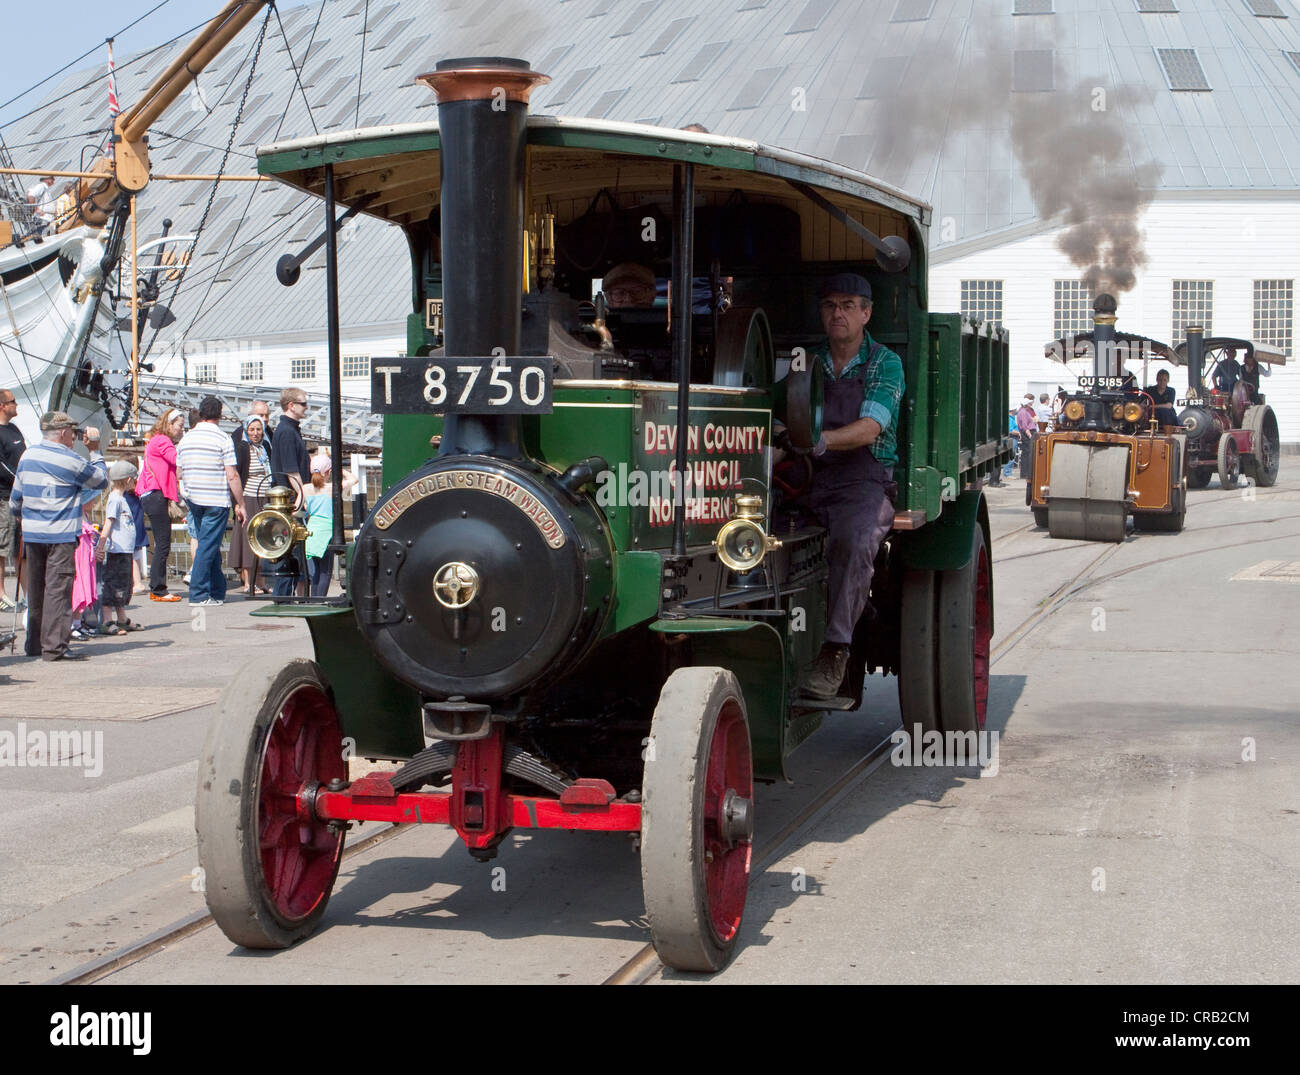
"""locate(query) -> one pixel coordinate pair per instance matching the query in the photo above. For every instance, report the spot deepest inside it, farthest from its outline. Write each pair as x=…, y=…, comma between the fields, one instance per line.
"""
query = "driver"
x=1228, y=371
x=853, y=490
x=1163, y=396
x=1251, y=372
x=629, y=285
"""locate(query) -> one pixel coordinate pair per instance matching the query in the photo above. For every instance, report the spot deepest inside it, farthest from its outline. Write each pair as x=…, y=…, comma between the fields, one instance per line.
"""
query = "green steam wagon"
x=576, y=610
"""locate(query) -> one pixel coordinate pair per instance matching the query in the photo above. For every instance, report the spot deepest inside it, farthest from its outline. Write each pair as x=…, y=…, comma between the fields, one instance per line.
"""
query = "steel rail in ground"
x=644, y=965
x=112, y=962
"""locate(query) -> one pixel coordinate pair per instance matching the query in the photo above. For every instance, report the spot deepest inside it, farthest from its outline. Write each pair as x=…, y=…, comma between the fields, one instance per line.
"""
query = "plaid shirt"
x=882, y=390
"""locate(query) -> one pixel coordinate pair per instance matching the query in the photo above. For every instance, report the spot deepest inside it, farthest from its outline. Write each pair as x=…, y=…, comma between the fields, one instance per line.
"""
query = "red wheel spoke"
x=304, y=745
x=726, y=868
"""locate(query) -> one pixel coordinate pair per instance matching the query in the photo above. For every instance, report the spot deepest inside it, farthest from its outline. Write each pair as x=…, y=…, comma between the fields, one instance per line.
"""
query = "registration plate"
x=493, y=384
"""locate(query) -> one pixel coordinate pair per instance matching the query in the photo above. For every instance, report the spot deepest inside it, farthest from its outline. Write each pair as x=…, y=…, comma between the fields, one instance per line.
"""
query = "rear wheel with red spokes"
x=965, y=635
x=268, y=863
x=697, y=819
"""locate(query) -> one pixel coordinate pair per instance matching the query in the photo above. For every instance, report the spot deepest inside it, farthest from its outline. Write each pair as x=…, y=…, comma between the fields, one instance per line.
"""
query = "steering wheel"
x=799, y=468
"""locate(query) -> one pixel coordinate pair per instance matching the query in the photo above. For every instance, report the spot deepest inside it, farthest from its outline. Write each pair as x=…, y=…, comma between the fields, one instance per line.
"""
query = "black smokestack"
x=1104, y=362
x=1196, y=358
x=482, y=119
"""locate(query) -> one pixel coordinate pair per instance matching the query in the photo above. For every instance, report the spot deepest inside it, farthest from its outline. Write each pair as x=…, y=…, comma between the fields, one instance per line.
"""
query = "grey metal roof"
x=917, y=93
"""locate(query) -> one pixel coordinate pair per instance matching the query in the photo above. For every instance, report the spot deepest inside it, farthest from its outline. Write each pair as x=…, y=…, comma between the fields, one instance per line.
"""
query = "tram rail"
x=644, y=965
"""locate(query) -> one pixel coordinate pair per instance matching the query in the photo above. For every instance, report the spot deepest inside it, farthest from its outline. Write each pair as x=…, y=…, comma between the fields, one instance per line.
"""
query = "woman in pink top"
x=155, y=487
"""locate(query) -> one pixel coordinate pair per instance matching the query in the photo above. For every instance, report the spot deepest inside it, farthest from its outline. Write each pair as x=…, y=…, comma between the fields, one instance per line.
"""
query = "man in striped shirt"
x=205, y=465
x=47, y=496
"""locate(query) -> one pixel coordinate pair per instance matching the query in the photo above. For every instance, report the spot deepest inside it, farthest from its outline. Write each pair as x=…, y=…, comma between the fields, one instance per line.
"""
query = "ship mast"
x=125, y=169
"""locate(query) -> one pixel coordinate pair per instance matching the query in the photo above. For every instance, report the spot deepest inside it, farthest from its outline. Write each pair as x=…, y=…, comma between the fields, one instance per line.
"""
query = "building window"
x=981, y=300
x=1032, y=71
x=356, y=366
x=252, y=370
x=1183, y=69
x=1193, y=304
x=912, y=11
x=1071, y=309
x=205, y=372
x=1271, y=323
x=302, y=369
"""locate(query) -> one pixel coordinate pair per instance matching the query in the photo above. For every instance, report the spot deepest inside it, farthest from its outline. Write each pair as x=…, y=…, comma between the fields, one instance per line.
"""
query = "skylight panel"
x=1182, y=69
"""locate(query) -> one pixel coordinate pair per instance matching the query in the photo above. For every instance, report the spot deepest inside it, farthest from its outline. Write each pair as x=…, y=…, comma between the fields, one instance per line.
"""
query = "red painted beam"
x=434, y=807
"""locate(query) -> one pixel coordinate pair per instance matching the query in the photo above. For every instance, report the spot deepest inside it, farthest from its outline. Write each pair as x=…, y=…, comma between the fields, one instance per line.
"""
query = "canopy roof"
x=398, y=166
x=1263, y=352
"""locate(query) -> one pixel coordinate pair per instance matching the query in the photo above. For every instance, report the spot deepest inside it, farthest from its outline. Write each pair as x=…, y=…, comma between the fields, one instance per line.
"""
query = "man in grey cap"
x=47, y=496
x=853, y=487
x=629, y=285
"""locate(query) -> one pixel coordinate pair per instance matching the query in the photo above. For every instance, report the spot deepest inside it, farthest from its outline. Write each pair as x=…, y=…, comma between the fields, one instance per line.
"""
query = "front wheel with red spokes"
x=697, y=819
x=268, y=863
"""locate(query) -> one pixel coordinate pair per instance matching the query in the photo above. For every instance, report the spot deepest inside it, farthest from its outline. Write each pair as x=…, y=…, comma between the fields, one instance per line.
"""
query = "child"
x=140, y=558
x=87, y=610
x=319, y=505
x=117, y=548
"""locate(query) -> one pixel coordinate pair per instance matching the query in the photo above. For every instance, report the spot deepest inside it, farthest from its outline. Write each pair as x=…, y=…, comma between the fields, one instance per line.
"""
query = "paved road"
x=1120, y=751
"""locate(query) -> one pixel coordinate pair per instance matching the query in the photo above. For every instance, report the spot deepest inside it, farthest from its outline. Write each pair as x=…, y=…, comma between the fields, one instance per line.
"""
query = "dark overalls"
x=1164, y=401
x=852, y=496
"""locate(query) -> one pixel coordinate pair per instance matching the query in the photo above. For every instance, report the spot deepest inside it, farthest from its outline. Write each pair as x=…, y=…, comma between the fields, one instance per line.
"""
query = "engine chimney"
x=482, y=120
x=1105, y=362
x=1195, y=359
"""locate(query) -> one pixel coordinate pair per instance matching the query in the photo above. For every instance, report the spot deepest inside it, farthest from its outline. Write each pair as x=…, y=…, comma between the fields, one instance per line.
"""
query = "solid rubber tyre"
x=268, y=869
x=1171, y=523
x=965, y=605
x=1198, y=477
x=694, y=874
x=917, y=652
x=1229, y=464
x=1267, y=460
x=1040, y=518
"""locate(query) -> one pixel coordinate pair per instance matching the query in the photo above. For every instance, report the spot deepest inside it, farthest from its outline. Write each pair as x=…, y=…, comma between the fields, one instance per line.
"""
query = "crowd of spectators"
x=80, y=579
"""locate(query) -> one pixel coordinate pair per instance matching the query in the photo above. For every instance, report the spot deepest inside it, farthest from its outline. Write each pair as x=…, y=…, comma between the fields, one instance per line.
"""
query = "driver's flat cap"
x=845, y=283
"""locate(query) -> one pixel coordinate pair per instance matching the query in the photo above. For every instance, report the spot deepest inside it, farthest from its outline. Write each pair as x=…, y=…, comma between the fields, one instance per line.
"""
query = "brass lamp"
x=742, y=542
x=272, y=532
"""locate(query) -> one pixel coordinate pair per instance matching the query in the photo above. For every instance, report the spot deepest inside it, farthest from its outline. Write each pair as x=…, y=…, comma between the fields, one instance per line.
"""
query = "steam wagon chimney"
x=1196, y=357
x=1105, y=362
x=482, y=119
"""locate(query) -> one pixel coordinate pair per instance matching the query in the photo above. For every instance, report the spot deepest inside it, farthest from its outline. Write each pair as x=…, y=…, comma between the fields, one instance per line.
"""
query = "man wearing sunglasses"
x=290, y=467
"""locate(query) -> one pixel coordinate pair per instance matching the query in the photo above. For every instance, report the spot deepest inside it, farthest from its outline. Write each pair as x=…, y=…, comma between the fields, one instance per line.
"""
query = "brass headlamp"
x=272, y=532
x=742, y=542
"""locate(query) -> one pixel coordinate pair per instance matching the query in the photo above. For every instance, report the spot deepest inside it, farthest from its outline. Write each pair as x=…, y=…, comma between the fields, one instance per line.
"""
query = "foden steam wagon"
x=576, y=610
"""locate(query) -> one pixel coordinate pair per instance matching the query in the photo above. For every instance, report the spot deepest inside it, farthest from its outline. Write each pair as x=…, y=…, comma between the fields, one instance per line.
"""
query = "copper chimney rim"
x=480, y=78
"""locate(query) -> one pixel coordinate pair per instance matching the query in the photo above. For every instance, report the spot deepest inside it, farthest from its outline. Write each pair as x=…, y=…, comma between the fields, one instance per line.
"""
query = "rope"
x=297, y=72
x=361, y=70
x=221, y=168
